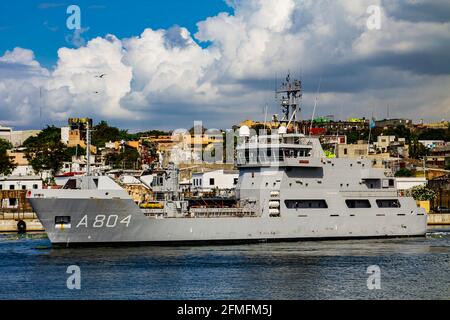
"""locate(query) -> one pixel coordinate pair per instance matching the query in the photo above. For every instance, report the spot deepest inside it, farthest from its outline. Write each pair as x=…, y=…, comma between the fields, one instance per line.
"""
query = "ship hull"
x=104, y=222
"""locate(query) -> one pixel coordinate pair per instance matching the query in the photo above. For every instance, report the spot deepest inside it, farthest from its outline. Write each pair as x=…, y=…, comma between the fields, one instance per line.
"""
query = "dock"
x=20, y=222
x=16, y=213
x=438, y=219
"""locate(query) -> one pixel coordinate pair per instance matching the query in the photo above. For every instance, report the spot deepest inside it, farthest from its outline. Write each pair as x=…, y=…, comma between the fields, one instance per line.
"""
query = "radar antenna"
x=290, y=94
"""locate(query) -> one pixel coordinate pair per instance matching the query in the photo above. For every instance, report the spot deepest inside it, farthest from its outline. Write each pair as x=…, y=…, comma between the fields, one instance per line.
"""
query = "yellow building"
x=18, y=158
x=202, y=140
x=352, y=151
x=268, y=124
x=163, y=143
x=75, y=139
x=437, y=125
x=117, y=144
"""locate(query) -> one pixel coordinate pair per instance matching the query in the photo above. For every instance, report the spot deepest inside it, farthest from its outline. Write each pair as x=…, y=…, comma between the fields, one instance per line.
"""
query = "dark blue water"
x=410, y=269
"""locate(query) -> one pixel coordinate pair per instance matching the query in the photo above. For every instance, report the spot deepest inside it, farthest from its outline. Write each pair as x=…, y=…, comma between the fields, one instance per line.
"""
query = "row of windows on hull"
x=351, y=204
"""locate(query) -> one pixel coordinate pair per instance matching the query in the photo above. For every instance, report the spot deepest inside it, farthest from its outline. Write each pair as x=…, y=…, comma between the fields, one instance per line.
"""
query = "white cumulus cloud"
x=225, y=71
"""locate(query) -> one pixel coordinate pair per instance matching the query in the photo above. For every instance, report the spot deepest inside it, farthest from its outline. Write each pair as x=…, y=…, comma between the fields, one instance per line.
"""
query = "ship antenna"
x=88, y=149
x=315, y=106
x=265, y=116
x=337, y=131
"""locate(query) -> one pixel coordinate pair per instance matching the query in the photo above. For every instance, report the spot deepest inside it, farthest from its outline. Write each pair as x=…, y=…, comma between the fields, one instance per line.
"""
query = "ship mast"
x=291, y=94
x=88, y=149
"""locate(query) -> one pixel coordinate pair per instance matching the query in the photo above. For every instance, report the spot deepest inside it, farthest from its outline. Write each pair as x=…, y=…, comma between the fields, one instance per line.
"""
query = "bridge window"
x=388, y=203
x=70, y=184
x=306, y=204
x=360, y=203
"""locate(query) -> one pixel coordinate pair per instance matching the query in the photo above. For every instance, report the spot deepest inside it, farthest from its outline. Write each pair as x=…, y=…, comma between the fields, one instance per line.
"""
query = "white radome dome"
x=244, y=131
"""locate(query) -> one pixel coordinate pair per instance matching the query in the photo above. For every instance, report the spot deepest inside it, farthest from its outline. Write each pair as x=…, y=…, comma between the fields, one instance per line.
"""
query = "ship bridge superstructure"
x=281, y=150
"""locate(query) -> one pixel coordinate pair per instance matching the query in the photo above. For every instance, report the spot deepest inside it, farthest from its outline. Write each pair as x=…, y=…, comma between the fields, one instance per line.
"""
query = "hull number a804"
x=104, y=221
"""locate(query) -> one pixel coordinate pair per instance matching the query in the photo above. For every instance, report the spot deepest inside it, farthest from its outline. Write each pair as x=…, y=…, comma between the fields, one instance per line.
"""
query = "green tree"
x=103, y=133
x=75, y=151
x=417, y=150
x=150, y=133
x=6, y=164
x=354, y=136
x=150, y=147
x=125, y=159
x=422, y=193
x=46, y=151
x=435, y=134
x=403, y=173
x=399, y=132
x=49, y=134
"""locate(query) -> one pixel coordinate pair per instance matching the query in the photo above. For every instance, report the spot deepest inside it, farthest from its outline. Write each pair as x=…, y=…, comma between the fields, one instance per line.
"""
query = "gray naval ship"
x=287, y=190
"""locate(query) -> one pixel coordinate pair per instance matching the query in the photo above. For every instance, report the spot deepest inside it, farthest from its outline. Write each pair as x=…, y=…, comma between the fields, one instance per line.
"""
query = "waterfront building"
x=12, y=190
x=431, y=144
x=441, y=185
x=333, y=127
x=440, y=156
x=393, y=123
x=443, y=124
x=352, y=151
x=333, y=139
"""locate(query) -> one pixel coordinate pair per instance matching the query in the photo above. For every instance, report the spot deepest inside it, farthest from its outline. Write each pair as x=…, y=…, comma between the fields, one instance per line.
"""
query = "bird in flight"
x=101, y=76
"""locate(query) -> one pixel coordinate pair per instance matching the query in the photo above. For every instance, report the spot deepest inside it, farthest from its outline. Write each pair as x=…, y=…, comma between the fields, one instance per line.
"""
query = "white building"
x=78, y=165
x=383, y=143
x=406, y=183
x=20, y=182
x=17, y=138
x=65, y=135
x=5, y=133
x=431, y=144
x=219, y=179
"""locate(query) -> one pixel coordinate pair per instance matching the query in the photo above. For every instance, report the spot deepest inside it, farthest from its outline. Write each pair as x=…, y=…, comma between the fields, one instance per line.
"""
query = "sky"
x=169, y=63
